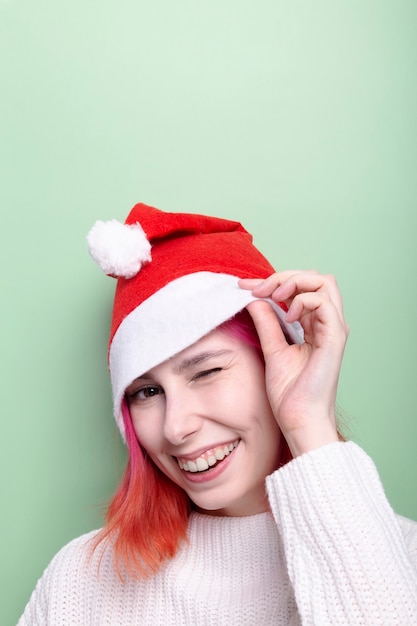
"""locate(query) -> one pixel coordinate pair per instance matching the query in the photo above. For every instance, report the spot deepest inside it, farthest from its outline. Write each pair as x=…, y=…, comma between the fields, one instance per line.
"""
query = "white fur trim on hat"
x=172, y=319
x=119, y=249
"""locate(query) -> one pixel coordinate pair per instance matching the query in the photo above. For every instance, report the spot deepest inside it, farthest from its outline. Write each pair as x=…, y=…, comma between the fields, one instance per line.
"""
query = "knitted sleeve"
x=350, y=559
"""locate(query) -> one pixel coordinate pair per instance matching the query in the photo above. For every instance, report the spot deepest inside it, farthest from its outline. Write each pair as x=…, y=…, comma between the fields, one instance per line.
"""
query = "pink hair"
x=148, y=516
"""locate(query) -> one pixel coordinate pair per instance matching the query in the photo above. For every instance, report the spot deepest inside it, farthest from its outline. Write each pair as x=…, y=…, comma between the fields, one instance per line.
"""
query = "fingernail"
x=249, y=282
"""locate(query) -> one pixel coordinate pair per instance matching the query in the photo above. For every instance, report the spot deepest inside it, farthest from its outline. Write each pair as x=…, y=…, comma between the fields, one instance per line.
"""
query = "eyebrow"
x=197, y=359
x=191, y=362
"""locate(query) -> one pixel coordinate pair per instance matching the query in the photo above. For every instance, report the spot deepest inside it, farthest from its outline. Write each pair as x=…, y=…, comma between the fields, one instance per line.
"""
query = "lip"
x=211, y=474
x=201, y=451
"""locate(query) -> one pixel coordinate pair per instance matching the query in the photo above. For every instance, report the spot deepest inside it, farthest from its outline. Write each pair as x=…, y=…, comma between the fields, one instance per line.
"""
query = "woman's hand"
x=301, y=380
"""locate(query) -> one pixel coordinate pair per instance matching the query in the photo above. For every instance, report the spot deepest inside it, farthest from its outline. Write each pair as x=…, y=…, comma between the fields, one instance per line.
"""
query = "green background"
x=297, y=118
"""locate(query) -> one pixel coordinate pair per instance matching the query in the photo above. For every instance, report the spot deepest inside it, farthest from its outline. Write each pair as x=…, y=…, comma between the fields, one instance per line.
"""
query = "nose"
x=181, y=418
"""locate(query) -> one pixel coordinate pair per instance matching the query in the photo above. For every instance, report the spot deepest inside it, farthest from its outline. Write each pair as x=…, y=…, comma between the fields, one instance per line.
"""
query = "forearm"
x=346, y=555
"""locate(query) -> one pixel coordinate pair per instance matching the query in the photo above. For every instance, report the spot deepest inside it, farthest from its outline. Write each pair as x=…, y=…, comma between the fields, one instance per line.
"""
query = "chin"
x=249, y=504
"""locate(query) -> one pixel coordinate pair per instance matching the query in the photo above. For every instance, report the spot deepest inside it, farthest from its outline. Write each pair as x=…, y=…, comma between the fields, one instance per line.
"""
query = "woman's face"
x=204, y=418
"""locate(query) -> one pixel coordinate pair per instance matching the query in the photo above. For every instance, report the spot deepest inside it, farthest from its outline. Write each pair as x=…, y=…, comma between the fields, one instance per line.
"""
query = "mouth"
x=209, y=459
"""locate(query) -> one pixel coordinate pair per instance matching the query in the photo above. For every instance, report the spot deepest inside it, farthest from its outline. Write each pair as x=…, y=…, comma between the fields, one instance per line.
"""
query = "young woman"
x=241, y=502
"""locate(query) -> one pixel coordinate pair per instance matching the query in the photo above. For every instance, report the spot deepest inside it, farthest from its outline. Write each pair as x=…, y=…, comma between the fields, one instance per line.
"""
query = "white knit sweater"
x=333, y=552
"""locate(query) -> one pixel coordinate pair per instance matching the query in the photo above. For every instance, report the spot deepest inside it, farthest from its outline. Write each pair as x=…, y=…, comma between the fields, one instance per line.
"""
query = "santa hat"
x=177, y=279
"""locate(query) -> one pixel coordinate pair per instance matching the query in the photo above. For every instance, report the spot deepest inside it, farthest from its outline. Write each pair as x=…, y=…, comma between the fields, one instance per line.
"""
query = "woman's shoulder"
x=68, y=574
x=78, y=546
x=76, y=555
x=80, y=541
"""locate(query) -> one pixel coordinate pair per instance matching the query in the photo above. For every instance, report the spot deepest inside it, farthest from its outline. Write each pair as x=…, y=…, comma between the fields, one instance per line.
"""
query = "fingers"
x=287, y=286
x=267, y=326
x=319, y=318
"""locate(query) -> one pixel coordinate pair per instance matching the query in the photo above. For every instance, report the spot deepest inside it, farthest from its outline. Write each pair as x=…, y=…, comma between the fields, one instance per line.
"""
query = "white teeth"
x=201, y=464
x=219, y=454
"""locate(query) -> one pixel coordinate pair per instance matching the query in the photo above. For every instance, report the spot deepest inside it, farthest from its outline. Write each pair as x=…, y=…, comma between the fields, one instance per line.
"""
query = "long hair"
x=148, y=515
x=147, y=518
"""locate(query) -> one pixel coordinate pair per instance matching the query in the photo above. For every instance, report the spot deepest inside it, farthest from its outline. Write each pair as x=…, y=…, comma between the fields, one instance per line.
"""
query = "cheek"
x=251, y=393
x=148, y=431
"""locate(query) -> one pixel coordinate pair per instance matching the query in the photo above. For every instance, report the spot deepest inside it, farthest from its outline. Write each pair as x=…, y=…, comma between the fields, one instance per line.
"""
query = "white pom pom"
x=119, y=249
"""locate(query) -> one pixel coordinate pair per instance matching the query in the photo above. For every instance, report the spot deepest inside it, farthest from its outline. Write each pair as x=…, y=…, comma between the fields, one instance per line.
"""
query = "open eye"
x=144, y=393
x=148, y=392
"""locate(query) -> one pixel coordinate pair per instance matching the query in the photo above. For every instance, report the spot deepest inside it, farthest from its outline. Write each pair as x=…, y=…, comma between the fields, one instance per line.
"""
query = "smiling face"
x=204, y=418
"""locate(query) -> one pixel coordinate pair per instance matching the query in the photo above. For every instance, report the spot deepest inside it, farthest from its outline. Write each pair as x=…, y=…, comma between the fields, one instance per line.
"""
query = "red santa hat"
x=177, y=279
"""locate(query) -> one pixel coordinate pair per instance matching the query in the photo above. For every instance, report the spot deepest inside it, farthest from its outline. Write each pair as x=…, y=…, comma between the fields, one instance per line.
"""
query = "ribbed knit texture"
x=346, y=554
x=335, y=554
